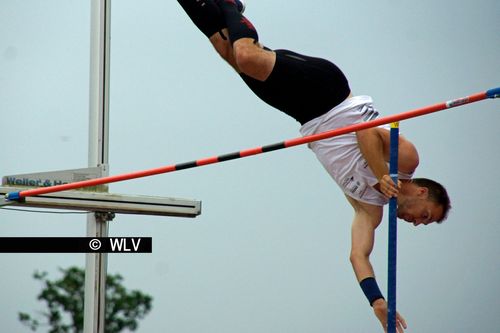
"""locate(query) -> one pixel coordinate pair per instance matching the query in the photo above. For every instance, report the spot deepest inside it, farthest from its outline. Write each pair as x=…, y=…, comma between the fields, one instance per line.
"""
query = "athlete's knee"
x=247, y=54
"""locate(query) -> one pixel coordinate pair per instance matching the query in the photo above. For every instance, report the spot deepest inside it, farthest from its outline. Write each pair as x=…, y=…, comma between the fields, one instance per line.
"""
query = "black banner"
x=76, y=245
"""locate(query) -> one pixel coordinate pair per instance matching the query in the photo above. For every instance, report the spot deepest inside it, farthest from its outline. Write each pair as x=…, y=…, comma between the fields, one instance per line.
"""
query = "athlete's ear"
x=423, y=192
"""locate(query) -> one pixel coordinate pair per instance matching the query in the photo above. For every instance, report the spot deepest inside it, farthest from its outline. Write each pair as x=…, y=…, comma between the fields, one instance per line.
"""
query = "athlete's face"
x=419, y=210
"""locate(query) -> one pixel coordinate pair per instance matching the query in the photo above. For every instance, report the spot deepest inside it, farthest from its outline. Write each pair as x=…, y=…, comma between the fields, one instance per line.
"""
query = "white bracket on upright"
x=109, y=203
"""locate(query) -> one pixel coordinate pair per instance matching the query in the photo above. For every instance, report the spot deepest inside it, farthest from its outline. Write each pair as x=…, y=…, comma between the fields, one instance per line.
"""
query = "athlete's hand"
x=380, y=309
x=387, y=186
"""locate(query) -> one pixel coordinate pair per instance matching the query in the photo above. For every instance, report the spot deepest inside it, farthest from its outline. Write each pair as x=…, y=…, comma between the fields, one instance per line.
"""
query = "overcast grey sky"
x=270, y=251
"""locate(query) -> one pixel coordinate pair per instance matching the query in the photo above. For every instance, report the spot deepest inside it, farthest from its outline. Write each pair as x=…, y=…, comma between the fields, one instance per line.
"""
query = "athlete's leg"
x=251, y=58
x=204, y=14
x=301, y=86
x=224, y=48
x=207, y=16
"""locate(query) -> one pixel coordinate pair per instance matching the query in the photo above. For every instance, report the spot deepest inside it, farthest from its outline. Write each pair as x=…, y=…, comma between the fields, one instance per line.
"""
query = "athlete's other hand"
x=380, y=309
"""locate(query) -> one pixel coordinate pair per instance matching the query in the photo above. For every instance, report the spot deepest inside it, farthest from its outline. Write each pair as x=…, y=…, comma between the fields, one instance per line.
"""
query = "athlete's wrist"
x=371, y=290
x=380, y=302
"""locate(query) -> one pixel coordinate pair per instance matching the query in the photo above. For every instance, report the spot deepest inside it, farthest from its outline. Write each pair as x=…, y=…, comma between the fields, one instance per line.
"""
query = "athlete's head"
x=428, y=203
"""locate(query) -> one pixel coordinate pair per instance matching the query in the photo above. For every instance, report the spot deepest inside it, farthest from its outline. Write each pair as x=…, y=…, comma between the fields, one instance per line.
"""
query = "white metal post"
x=97, y=225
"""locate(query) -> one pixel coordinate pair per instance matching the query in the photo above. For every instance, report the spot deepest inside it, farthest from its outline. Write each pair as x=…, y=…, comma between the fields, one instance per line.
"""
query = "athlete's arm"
x=366, y=219
x=371, y=144
x=374, y=144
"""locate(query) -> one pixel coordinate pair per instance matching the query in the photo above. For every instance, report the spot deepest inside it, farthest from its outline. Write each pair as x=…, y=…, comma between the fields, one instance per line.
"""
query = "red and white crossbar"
x=492, y=93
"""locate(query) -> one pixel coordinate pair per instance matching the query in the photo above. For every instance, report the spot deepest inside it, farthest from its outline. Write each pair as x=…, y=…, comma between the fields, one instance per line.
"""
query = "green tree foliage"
x=64, y=299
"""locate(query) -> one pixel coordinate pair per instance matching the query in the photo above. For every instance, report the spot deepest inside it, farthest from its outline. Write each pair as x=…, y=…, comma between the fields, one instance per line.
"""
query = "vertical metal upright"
x=97, y=224
x=393, y=231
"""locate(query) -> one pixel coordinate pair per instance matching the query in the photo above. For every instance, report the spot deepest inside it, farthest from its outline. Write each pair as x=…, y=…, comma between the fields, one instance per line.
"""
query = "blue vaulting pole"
x=393, y=231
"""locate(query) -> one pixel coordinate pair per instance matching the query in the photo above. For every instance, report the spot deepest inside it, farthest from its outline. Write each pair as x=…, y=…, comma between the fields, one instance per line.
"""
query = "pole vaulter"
x=492, y=93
